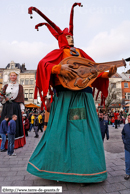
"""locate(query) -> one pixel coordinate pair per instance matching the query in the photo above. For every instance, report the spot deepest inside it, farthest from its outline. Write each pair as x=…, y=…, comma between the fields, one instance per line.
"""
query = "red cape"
x=44, y=78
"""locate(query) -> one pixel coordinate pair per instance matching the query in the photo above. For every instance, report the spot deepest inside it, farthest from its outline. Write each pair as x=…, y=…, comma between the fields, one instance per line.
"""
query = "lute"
x=86, y=71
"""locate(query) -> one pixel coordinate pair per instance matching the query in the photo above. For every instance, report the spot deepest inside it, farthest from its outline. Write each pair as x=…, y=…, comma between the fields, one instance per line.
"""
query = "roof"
x=125, y=76
x=116, y=75
x=17, y=65
x=1, y=69
x=29, y=71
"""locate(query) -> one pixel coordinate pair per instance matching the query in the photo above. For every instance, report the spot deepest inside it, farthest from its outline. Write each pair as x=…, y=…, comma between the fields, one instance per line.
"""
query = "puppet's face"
x=70, y=40
x=13, y=76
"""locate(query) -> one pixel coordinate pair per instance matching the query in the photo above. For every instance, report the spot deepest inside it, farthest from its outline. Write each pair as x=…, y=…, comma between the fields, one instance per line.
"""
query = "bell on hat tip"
x=31, y=17
x=81, y=5
x=37, y=29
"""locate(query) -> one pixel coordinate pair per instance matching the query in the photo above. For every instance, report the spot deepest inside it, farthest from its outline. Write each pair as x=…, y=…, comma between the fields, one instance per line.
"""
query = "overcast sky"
x=101, y=29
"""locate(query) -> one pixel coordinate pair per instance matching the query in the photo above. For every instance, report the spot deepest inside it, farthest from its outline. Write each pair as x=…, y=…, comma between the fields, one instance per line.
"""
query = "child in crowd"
x=113, y=121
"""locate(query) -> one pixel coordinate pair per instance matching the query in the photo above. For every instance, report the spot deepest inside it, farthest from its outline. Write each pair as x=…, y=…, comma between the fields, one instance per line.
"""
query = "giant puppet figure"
x=14, y=104
x=71, y=148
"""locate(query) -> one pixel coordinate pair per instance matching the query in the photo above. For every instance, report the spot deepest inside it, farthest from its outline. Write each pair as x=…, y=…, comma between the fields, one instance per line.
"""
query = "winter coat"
x=104, y=128
x=26, y=124
x=11, y=127
x=3, y=127
x=126, y=136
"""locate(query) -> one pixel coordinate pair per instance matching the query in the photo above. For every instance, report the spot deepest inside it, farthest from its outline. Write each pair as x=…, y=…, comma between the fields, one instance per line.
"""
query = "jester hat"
x=54, y=29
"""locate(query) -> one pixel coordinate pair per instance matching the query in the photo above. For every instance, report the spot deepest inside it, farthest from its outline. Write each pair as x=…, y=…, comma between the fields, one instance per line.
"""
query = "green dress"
x=71, y=148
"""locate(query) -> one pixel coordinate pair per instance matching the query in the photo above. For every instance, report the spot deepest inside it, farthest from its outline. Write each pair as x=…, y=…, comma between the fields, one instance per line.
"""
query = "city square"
x=13, y=170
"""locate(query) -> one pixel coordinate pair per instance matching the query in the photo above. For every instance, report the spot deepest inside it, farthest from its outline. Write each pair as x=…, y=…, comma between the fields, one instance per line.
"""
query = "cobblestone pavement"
x=13, y=169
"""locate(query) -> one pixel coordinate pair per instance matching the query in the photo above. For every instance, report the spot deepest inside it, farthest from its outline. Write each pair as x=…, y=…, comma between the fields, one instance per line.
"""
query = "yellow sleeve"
x=56, y=69
x=105, y=75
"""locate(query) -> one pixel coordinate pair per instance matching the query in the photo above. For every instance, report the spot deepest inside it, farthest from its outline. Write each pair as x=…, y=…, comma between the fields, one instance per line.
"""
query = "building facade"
x=125, y=88
x=1, y=77
x=27, y=80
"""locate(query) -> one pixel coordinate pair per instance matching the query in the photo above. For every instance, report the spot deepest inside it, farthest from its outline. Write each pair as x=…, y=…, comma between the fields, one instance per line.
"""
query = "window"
x=127, y=96
x=12, y=67
x=31, y=81
x=114, y=96
x=125, y=85
x=22, y=81
x=113, y=85
x=26, y=81
x=31, y=94
x=25, y=93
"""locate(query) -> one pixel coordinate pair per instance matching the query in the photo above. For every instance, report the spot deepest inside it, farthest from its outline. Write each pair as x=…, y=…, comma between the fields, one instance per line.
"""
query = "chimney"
x=23, y=67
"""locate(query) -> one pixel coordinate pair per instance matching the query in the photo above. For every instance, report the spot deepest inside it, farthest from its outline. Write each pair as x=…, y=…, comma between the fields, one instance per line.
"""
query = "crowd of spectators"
x=33, y=119
x=115, y=118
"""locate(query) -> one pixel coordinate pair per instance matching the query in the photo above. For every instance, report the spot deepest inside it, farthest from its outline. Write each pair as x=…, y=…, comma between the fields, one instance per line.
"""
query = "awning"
x=31, y=106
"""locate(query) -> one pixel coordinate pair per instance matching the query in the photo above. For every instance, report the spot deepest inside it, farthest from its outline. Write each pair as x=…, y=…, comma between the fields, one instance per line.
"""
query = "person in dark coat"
x=103, y=126
x=36, y=124
x=126, y=141
x=3, y=131
x=11, y=135
x=26, y=124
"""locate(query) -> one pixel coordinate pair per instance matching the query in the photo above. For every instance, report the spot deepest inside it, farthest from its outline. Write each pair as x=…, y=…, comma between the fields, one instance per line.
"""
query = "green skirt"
x=71, y=148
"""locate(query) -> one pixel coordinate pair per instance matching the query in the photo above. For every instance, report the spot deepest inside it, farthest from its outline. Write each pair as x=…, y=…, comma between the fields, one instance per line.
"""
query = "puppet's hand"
x=67, y=72
x=112, y=71
x=7, y=99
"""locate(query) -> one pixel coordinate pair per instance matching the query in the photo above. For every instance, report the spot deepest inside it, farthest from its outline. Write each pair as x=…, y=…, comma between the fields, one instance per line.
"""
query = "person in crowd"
x=113, y=121
x=116, y=119
x=106, y=117
x=33, y=110
x=40, y=122
x=26, y=124
x=32, y=121
x=11, y=135
x=103, y=127
x=29, y=117
x=14, y=104
x=43, y=117
x=124, y=114
x=36, y=124
x=119, y=118
x=123, y=119
x=47, y=111
x=126, y=141
x=27, y=112
x=3, y=131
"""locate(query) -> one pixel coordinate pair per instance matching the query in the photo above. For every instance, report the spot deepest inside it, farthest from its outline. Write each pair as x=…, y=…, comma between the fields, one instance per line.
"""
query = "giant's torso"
x=66, y=53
